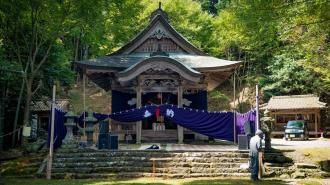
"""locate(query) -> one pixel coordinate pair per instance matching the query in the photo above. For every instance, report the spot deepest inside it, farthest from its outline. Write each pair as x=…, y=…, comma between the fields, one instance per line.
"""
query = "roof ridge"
x=161, y=18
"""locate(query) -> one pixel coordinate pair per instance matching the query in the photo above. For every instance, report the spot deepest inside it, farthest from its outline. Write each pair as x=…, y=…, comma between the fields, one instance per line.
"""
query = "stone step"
x=179, y=158
x=210, y=160
x=144, y=164
x=114, y=152
x=187, y=170
x=111, y=154
x=151, y=154
x=137, y=174
x=170, y=170
x=87, y=163
x=85, y=170
x=145, y=159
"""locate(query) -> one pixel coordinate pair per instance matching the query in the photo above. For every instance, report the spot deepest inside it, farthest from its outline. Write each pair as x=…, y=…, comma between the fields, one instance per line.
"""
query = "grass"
x=141, y=181
x=316, y=154
x=309, y=182
x=97, y=99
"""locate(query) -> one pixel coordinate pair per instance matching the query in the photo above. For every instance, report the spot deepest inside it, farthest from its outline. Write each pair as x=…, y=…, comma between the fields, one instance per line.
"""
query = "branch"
x=306, y=24
x=37, y=88
x=33, y=36
x=43, y=60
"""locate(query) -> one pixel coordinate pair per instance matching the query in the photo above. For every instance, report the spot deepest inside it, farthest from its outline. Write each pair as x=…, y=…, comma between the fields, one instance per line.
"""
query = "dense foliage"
x=284, y=44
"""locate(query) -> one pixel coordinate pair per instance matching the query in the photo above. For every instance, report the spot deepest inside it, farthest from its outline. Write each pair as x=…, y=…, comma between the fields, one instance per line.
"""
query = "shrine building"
x=158, y=66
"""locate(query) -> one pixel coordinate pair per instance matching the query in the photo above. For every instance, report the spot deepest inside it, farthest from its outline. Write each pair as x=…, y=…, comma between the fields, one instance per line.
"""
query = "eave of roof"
x=122, y=62
x=160, y=58
x=296, y=102
x=42, y=105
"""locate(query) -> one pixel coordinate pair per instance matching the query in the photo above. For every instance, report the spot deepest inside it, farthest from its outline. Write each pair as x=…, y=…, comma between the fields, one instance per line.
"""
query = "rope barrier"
x=10, y=133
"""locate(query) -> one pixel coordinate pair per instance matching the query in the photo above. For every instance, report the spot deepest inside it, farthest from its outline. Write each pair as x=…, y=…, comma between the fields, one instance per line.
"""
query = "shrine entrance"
x=157, y=127
x=158, y=122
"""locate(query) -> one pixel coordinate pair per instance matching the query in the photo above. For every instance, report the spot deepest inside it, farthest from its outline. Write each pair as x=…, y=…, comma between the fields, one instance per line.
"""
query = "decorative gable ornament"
x=159, y=34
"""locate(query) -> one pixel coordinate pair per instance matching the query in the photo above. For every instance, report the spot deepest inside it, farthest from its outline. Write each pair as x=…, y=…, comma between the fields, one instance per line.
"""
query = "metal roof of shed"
x=308, y=101
x=42, y=105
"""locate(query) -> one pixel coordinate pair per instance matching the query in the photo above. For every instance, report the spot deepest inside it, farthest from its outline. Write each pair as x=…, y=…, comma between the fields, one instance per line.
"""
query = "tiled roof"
x=294, y=102
x=46, y=105
x=196, y=62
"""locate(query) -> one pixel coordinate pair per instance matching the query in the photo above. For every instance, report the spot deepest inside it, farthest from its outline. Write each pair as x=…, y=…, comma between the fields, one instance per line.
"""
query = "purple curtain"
x=134, y=115
x=59, y=128
x=217, y=125
x=245, y=117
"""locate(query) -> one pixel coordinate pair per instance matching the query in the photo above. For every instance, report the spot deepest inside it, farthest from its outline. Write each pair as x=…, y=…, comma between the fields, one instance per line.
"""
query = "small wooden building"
x=42, y=108
x=295, y=107
x=158, y=66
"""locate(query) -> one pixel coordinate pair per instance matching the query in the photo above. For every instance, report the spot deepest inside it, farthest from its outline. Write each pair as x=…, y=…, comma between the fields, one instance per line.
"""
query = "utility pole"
x=234, y=111
x=51, y=144
x=257, y=107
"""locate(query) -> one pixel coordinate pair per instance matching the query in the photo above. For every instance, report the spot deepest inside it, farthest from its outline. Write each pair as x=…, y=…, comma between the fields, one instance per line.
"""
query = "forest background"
x=284, y=46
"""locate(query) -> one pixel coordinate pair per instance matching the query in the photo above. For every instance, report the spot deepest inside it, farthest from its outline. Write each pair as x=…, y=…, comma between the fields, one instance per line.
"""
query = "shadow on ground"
x=73, y=182
x=234, y=182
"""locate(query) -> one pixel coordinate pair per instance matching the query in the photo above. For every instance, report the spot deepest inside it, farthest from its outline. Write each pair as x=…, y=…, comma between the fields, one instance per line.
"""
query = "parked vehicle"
x=326, y=132
x=296, y=129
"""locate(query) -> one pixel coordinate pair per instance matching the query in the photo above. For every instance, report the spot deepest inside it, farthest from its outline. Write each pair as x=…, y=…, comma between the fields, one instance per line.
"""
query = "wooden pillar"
x=234, y=108
x=138, y=127
x=180, y=103
x=315, y=120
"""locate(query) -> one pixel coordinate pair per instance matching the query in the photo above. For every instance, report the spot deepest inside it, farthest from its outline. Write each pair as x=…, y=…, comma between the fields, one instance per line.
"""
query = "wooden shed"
x=295, y=107
x=42, y=109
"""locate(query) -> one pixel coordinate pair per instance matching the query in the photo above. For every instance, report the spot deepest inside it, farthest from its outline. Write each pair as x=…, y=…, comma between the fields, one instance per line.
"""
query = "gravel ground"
x=296, y=144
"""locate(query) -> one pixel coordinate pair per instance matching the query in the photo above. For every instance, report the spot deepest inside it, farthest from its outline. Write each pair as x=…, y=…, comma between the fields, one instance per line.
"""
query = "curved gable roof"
x=159, y=18
x=161, y=62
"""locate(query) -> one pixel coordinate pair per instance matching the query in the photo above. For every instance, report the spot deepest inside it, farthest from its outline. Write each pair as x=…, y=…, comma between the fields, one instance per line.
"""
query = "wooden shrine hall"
x=158, y=66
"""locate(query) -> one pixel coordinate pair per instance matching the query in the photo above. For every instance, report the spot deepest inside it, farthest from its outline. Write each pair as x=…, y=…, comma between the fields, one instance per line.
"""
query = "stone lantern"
x=267, y=123
x=69, y=141
x=90, y=120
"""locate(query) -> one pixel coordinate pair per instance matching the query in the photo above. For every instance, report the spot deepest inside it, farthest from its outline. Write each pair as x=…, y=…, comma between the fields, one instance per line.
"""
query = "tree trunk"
x=28, y=99
x=13, y=140
x=27, y=102
x=2, y=114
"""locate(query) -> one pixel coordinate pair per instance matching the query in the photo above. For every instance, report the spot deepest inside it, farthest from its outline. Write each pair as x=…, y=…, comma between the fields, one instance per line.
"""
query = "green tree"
x=288, y=77
x=31, y=31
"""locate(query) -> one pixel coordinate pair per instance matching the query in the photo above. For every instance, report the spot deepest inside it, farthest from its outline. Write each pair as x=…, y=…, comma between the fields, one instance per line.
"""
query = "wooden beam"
x=91, y=71
x=157, y=76
x=299, y=111
x=138, y=105
x=180, y=103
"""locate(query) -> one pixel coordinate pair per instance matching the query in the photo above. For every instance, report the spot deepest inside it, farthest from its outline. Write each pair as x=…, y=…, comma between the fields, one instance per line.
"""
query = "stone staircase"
x=87, y=163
